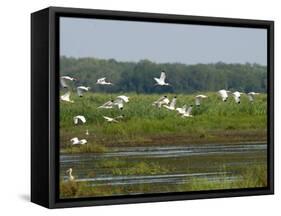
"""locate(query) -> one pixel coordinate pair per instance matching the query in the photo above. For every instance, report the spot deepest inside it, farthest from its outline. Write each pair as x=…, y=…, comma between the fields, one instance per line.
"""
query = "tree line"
x=138, y=76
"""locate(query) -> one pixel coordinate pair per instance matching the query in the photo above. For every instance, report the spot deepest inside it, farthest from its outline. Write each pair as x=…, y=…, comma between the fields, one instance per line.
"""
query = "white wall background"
x=15, y=106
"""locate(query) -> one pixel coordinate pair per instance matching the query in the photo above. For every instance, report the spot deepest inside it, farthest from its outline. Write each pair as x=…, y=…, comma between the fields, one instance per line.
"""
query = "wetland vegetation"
x=152, y=150
x=145, y=125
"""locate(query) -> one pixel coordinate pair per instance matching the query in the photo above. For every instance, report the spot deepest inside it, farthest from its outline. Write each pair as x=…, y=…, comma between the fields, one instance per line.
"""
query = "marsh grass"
x=145, y=124
x=142, y=168
x=96, y=148
x=252, y=177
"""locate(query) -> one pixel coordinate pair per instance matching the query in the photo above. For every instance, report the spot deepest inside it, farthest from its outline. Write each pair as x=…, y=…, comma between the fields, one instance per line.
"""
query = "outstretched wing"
x=156, y=79
x=119, y=102
x=251, y=97
x=84, y=88
x=184, y=108
x=201, y=96
x=124, y=98
x=162, y=76
x=223, y=94
x=107, y=118
x=63, y=82
x=80, y=92
x=101, y=79
x=197, y=101
x=173, y=103
x=107, y=104
x=75, y=119
x=119, y=117
x=159, y=100
x=66, y=96
x=189, y=110
x=82, y=118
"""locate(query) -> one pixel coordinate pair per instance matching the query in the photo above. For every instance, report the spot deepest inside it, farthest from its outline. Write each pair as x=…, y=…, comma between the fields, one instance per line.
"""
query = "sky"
x=161, y=42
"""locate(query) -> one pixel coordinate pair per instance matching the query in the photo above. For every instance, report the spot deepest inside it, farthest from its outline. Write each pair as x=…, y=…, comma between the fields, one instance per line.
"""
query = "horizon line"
x=155, y=62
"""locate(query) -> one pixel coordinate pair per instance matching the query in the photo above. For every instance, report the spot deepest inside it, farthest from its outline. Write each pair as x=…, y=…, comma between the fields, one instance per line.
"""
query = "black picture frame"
x=45, y=103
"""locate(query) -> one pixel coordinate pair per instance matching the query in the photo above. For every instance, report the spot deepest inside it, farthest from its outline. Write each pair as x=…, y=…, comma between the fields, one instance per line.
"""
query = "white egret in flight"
x=172, y=105
x=161, y=101
x=223, y=94
x=251, y=96
x=102, y=81
x=237, y=96
x=79, y=119
x=119, y=103
x=110, y=104
x=161, y=81
x=76, y=141
x=66, y=97
x=124, y=98
x=65, y=80
x=107, y=105
x=81, y=90
x=198, y=99
x=110, y=119
x=187, y=113
x=181, y=110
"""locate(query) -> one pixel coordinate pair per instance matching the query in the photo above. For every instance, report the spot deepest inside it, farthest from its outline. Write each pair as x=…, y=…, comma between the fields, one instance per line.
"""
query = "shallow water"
x=184, y=163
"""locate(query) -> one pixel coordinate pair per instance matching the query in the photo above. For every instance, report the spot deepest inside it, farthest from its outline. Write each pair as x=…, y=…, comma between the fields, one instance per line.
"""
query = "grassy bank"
x=252, y=177
x=144, y=124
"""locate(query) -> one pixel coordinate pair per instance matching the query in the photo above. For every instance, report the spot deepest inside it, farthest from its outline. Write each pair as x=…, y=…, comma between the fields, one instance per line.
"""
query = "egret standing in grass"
x=223, y=94
x=172, y=105
x=161, y=101
x=79, y=119
x=251, y=96
x=66, y=97
x=70, y=176
x=102, y=81
x=237, y=96
x=161, y=81
x=65, y=80
x=198, y=99
x=81, y=90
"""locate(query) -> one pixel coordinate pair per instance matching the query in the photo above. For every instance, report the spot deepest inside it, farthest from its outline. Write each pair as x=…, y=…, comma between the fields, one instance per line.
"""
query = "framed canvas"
x=138, y=107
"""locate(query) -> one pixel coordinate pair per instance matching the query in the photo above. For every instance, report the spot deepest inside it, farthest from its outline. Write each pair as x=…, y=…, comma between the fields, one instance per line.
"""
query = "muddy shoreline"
x=214, y=137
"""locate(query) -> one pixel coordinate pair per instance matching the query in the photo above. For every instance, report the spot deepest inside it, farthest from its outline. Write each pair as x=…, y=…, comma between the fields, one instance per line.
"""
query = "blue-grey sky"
x=161, y=42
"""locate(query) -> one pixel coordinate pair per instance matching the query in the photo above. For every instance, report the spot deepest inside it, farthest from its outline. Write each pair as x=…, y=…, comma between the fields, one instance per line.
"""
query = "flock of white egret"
x=119, y=102
x=80, y=119
x=184, y=111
